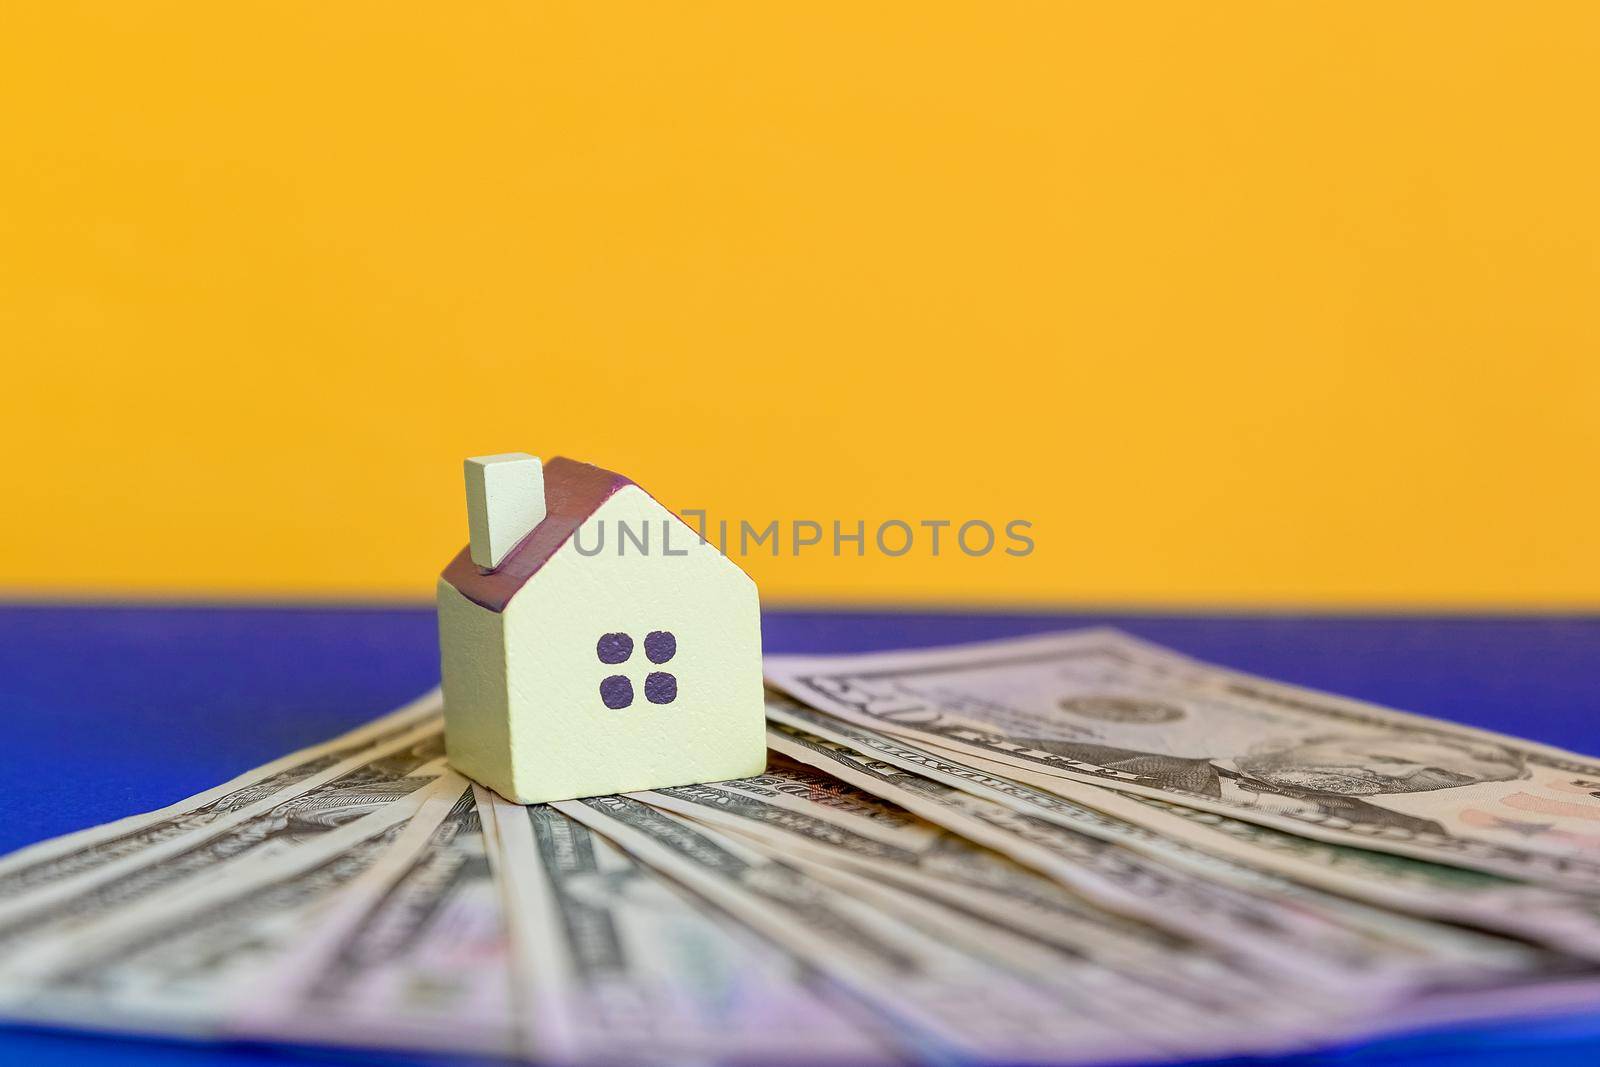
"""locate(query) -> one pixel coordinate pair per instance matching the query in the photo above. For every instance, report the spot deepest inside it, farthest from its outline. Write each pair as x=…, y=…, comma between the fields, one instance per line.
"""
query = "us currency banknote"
x=1101, y=707
x=615, y=965
x=816, y=814
x=944, y=1000
x=1046, y=831
x=1163, y=1013
x=40, y=929
x=799, y=817
x=890, y=889
x=415, y=953
x=1564, y=920
x=189, y=963
x=810, y=814
x=58, y=865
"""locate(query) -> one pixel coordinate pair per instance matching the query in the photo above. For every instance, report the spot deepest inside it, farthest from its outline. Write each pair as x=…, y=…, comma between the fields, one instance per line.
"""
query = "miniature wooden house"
x=591, y=642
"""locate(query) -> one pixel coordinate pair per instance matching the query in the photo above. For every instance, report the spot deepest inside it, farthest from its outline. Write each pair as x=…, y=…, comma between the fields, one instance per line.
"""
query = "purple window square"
x=614, y=648
x=660, y=645
x=660, y=687
x=617, y=692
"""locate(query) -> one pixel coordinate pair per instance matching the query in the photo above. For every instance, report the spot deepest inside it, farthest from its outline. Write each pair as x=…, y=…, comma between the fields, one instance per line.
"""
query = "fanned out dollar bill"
x=413, y=954
x=617, y=964
x=1258, y=940
x=187, y=963
x=1279, y=863
x=1065, y=849
x=1106, y=709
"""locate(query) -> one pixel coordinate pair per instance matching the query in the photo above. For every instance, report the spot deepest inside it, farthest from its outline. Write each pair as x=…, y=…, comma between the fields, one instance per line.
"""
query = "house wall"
x=472, y=660
x=564, y=740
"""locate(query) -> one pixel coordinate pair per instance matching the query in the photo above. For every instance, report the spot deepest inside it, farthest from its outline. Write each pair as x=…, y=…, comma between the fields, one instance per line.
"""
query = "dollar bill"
x=41, y=930
x=945, y=999
x=817, y=814
x=414, y=955
x=1124, y=995
x=1101, y=707
x=1199, y=996
x=1564, y=920
x=804, y=810
x=929, y=868
x=616, y=965
x=55, y=866
x=1048, y=832
x=186, y=963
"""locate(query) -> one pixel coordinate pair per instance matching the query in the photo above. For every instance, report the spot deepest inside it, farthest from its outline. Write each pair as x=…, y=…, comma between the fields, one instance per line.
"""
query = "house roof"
x=572, y=492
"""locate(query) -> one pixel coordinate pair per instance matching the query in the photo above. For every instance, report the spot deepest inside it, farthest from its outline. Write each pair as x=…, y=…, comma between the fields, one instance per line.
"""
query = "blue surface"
x=111, y=711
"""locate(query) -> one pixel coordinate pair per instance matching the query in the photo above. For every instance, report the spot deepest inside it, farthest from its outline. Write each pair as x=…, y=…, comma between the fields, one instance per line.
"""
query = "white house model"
x=591, y=642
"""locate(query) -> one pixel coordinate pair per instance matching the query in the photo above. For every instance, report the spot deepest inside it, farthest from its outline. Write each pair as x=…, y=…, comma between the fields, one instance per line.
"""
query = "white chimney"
x=505, y=501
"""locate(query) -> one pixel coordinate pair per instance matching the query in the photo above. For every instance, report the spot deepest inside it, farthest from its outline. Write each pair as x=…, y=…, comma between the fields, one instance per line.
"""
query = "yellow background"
x=1238, y=303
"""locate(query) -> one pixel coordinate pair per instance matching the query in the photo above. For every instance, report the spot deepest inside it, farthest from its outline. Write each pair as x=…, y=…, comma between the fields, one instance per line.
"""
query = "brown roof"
x=572, y=492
